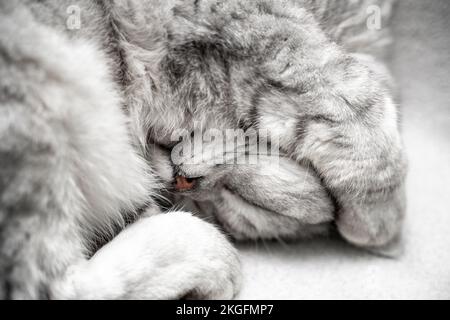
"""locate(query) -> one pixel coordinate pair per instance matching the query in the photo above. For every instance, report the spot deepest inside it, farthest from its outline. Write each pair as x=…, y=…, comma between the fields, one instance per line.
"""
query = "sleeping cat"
x=93, y=93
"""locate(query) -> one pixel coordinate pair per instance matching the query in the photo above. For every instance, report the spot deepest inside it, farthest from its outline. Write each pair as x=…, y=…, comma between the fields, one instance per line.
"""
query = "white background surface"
x=330, y=269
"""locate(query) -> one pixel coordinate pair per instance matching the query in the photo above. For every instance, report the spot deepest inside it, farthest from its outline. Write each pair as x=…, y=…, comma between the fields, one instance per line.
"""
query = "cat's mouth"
x=183, y=184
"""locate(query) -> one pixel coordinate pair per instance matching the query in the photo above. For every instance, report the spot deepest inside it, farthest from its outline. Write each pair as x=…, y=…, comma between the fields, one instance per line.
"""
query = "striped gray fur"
x=87, y=115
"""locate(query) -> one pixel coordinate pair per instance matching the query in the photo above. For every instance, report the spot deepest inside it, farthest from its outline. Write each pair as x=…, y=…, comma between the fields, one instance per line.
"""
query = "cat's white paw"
x=168, y=256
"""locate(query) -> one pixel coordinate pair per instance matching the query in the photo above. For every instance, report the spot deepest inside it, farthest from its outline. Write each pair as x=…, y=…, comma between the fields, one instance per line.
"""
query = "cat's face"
x=200, y=168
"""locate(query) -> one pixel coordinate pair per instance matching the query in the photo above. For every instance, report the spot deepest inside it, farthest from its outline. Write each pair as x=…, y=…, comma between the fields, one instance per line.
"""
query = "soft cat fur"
x=87, y=115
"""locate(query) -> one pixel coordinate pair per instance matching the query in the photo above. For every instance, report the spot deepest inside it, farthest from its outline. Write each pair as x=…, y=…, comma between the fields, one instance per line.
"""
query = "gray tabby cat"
x=88, y=115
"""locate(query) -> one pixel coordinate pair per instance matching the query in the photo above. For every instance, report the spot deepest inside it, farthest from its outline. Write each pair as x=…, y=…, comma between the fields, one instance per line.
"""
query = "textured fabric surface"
x=330, y=269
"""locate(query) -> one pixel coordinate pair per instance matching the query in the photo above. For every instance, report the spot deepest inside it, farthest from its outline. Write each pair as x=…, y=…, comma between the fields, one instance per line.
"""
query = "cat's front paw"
x=167, y=256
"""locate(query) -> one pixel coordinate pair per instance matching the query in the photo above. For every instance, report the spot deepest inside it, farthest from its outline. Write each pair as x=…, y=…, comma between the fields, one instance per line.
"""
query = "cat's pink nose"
x=184, y=184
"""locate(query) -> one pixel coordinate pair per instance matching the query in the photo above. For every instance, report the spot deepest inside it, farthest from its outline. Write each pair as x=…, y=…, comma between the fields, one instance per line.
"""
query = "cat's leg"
x=338, y=113
x=330, y=107
x=166, y=256
x=348, y=129
x=259, y=196
x=274, y=199
x=67, y=168
x=320, y=103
